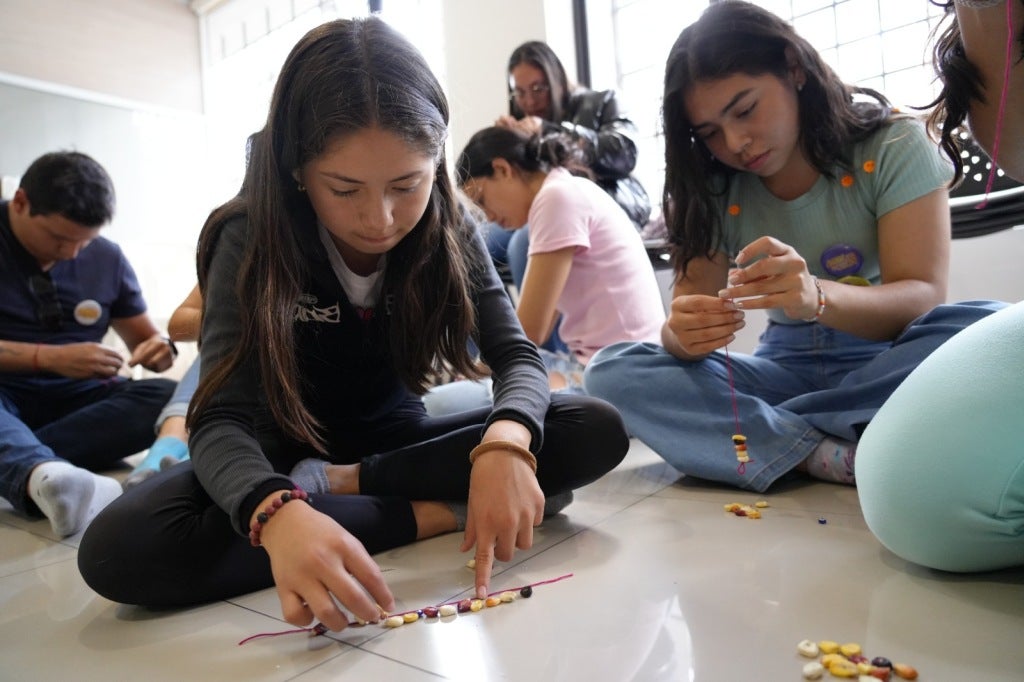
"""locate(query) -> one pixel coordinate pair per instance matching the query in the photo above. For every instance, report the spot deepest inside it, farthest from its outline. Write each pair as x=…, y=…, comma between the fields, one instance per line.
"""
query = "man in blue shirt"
x=64, y=410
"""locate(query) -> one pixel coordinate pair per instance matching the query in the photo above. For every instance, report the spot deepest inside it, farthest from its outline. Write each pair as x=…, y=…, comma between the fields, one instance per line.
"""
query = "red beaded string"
x=1002, y=104
x=320, y=628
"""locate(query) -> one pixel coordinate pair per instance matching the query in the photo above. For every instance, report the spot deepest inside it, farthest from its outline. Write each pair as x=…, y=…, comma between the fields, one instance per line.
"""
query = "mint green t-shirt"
x=839, y=215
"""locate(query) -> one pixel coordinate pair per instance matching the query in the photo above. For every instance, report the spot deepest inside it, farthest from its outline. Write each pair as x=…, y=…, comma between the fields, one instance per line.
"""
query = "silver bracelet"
x=978, y=4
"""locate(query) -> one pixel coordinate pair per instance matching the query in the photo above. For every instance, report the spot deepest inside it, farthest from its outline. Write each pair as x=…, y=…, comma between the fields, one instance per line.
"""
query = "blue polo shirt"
x=95, y=287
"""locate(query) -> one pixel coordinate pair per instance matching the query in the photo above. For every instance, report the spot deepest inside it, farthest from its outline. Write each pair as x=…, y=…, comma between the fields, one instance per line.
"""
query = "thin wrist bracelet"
x=508, y=445
x=978, y=4
x=821, y=302
x=261, y=519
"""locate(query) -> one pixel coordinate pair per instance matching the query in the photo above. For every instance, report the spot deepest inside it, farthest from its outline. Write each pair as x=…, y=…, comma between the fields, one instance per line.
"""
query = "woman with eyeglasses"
x=542, y=100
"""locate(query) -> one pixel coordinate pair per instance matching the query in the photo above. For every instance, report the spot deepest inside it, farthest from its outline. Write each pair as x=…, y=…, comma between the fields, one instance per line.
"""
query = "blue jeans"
x=465, y=395
x=803, y=382
x=510, y=247
x=177, y=406
x=90, y=423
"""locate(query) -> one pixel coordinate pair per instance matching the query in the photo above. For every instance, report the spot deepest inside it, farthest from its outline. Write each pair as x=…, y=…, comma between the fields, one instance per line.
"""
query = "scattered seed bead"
x=430, y=611
x=905, y=671
x=827, y=646
x=410, y=617
x=807, y=648
x=508, y=596
x=880, y=673
x=865, y=678
x=476, y=605
x=843, y=668
x=753, y=514
x=526, y=592
x=851, y=649
x=733, y=506
x=881, y=662
x=829, y=659
x=394, y=621
x=471, y=564
x=448, y=610
x=863, y=667
x=813, y=671
x=822, y=521
x=761, y=504
x=492, y=601
x=860, y=658
x=464, y=605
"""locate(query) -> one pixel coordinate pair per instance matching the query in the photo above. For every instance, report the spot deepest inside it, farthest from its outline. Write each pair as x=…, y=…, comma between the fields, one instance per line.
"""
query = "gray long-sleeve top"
x=347, y=373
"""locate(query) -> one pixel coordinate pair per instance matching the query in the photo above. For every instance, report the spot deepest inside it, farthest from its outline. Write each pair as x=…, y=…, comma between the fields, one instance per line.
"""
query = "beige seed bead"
x=761, y=504
x=448, y=610
x=411, y=617
x=471, y=564
x=507, y=596
x=394, y=622
x=807, y=648
x=492, y=601
x=476, y=604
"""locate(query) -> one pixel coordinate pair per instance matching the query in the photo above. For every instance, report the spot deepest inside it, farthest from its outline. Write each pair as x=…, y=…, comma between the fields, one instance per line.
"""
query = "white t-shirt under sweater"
x=611, y=294
x=362, y=292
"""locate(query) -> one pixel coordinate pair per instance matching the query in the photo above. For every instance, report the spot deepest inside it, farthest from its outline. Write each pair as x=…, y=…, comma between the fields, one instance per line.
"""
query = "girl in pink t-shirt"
x=586, y=262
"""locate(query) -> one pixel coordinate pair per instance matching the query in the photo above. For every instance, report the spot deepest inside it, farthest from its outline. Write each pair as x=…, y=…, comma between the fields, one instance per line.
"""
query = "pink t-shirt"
x=611, y=294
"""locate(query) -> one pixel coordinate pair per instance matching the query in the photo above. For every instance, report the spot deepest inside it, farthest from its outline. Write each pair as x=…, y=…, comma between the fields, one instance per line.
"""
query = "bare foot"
x=432, y=518
x=343, y=478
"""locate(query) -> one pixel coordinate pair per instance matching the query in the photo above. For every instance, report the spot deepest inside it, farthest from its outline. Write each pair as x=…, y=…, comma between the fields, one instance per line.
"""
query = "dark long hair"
x=529, y=153
x=961, y=85
x=737, y=37
x=540, y=55
x=343, y=77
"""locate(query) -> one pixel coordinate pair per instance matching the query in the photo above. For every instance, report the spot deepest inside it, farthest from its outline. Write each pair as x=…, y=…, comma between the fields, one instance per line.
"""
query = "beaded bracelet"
x=511, y=446
x=264, y=516
x=978, y=4
x=821, y=302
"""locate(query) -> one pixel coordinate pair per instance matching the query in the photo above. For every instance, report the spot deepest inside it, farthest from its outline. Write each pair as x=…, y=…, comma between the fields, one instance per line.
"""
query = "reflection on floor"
x=666, y=586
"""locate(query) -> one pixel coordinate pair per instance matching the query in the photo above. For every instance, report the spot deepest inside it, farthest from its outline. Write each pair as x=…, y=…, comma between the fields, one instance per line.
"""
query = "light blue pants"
x=940, y=469
x=177, y=406
x=462, y=396
x=803, y=382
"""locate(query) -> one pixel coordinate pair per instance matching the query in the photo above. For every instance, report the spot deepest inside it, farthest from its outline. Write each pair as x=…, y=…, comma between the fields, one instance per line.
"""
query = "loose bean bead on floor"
x=813, y=670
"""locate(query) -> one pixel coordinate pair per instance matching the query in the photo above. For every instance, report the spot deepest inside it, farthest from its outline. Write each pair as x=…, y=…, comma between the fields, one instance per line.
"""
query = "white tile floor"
x=666, y=586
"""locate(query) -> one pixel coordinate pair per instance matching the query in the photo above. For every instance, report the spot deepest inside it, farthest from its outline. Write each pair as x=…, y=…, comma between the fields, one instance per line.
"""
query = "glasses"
x=48, y=304
x=535, y=90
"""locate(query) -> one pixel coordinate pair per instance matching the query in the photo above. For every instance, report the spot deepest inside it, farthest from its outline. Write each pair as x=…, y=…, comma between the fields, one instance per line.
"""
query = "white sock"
x=833, y=461
x=69, y=496
x=311, y=475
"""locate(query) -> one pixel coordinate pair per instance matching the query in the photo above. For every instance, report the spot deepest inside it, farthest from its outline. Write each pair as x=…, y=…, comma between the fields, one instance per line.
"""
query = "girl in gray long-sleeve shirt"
x=335, y=285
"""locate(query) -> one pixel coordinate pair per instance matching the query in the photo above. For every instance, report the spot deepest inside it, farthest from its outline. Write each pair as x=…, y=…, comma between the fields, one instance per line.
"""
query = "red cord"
x=1002, y=104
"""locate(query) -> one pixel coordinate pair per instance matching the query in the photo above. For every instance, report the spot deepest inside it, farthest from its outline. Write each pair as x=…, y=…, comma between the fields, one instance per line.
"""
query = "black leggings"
x=164, y=543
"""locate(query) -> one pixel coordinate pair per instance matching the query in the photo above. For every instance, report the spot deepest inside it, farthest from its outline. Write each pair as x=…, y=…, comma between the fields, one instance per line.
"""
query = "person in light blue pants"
x=940, y=469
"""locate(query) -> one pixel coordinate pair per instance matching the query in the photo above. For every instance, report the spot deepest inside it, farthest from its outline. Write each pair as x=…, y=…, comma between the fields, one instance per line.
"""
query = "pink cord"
x=1002, y=104
x=320, y=628
x=742, y=468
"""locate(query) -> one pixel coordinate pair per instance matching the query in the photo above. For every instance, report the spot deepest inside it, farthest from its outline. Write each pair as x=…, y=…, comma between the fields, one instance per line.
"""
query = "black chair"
x=1004, y=208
